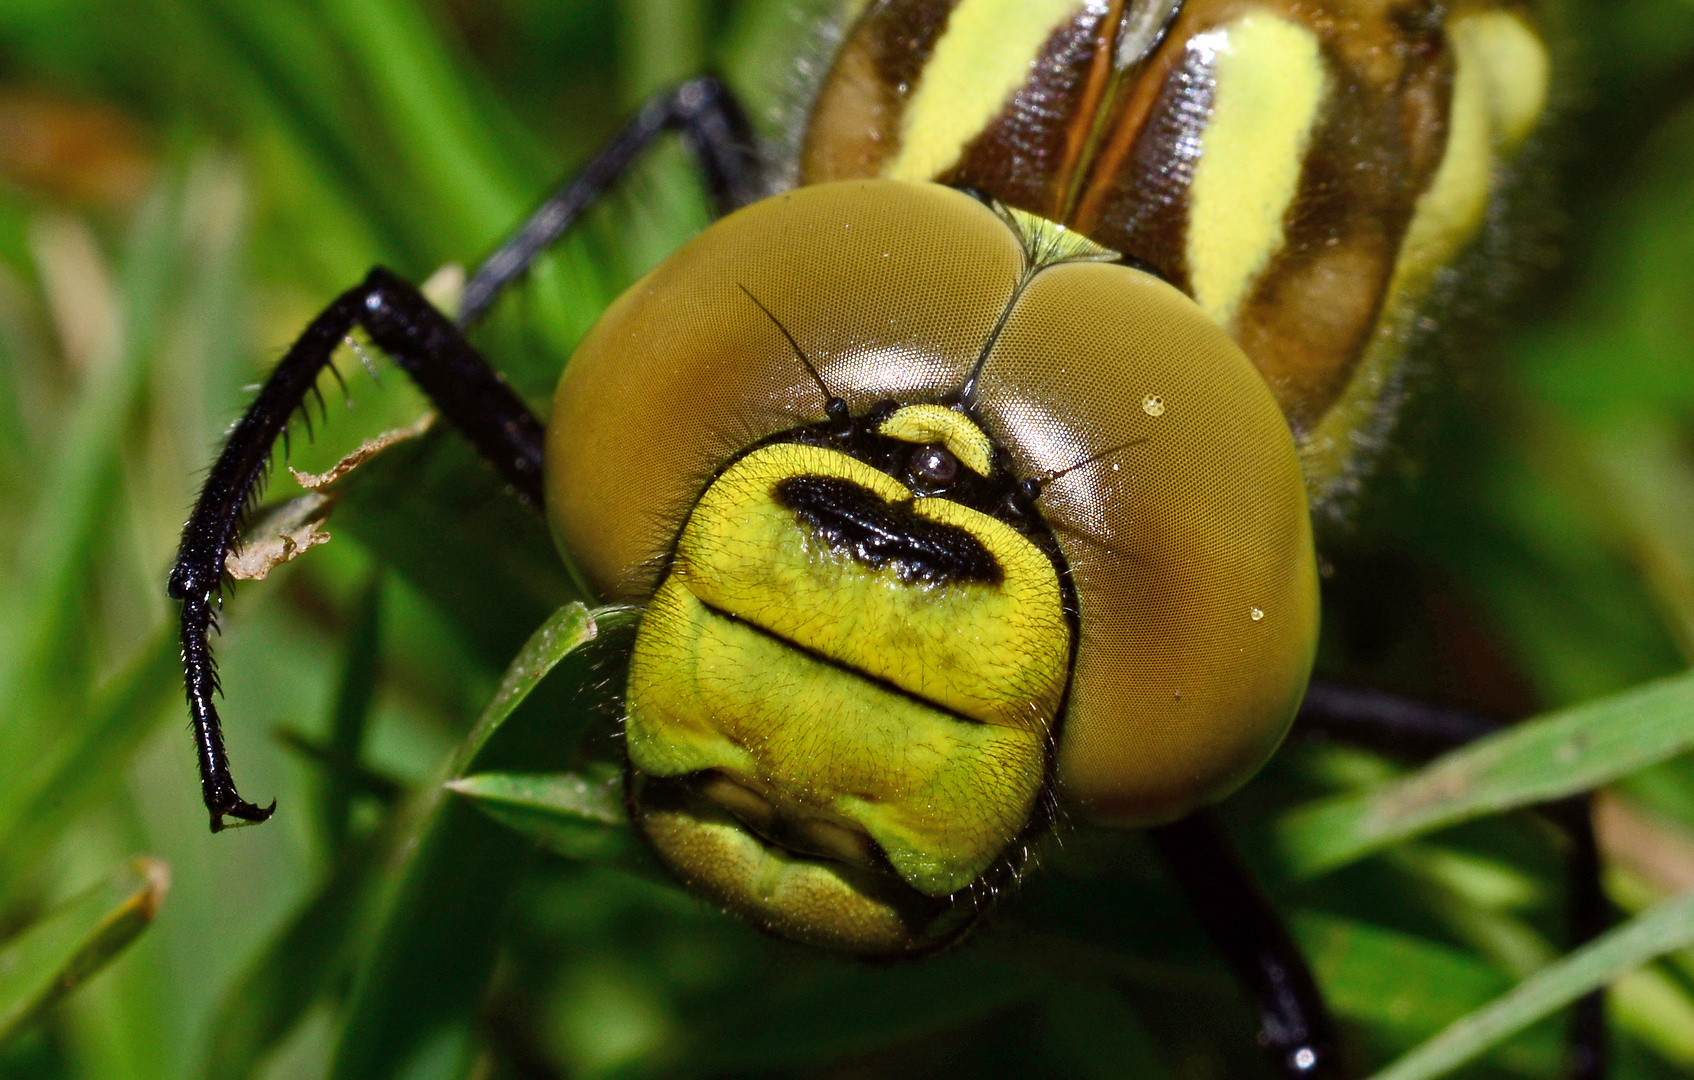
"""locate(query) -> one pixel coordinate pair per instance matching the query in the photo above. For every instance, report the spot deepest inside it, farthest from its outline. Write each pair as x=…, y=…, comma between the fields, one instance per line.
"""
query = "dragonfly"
x=968, y=484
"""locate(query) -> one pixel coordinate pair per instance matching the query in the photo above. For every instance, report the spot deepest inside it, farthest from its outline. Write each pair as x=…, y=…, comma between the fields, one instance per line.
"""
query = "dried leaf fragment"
x=284, y=532
x=366, y=450
x=280, y=535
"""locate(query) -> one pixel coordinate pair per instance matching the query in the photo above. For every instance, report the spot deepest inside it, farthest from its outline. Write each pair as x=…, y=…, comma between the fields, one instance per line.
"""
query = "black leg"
x=1393, y=725
x=1400, y=727
x=715, y=129
x=443, y=364
x=434, y=353
x=1295, y=1025
x=1588, y=918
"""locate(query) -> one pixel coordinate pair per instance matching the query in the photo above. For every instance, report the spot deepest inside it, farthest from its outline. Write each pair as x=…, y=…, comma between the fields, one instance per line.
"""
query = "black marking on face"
x=1000, y=495
x=863, y=525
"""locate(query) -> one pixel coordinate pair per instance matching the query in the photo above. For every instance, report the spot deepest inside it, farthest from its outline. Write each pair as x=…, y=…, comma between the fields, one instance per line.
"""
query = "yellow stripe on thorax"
x=984, y=56
x=1501, y=70
x=1517, y=68
x=1270, y=85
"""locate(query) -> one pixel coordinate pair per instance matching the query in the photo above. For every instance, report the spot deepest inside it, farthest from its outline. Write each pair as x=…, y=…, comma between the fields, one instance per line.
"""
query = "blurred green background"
x=184, y=183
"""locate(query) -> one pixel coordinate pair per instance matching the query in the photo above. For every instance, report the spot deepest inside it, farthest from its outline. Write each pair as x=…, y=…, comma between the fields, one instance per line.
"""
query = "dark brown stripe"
x=1311, y=316
x=1141, y=208
x=1028, y=155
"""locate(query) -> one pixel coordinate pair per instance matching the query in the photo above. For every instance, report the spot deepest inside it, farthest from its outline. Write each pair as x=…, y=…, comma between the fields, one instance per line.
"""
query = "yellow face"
x=844, y=683
x=941, y=521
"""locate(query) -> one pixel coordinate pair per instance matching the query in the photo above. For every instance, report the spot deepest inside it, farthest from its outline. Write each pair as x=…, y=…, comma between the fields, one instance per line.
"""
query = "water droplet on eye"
x=1257, y=614
x=1153, y=405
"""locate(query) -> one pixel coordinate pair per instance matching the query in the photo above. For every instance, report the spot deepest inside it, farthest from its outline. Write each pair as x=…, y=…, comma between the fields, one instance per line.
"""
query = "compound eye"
x=935, y=464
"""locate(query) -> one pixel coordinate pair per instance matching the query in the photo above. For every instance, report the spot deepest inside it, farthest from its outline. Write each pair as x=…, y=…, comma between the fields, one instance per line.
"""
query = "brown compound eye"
x=934, y=464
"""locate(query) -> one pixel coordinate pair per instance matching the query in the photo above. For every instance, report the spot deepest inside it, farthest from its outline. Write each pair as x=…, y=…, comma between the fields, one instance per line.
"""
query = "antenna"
x=835, y=407
x=1035, y=484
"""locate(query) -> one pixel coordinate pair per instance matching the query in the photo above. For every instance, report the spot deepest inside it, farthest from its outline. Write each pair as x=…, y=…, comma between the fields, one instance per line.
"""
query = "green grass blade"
x=1662, y=929
x=351, y=715
x=88, y=761
x=306, y=959
x=62, y=951
x=1403, y=988
x=433, y=509
x=74, y=514
x=439, y=928
x=426, y=103
x=580, y=816
x=1394, y=981
x=1561, y=754
x=586, y=799
x=593, y=798
x=570, y=628
x=840, y=1008
x=283, y=64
